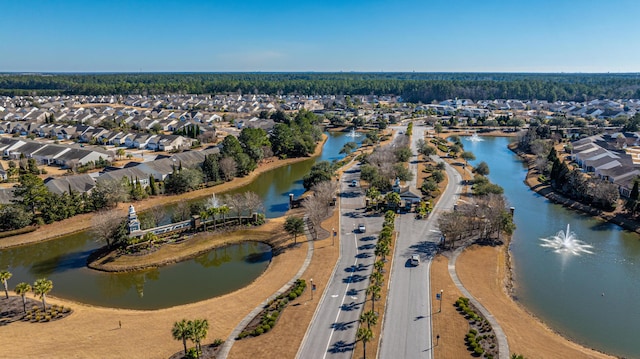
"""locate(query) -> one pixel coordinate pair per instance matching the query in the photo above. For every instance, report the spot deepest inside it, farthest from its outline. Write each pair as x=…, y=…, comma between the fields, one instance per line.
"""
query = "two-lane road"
x=407, y=321
x=333, y=329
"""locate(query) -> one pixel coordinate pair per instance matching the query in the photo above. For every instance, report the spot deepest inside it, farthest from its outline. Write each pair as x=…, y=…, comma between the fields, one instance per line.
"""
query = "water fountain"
x=566, y=242
x=212, y=202
x=475, y=138
x=353, y=133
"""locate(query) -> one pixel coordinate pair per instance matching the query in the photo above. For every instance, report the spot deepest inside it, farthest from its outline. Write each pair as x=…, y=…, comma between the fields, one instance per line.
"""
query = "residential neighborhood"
x=74, y=131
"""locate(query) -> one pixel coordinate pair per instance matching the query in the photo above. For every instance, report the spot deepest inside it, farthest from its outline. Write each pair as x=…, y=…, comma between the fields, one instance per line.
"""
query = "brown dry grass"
x=482, y=271
x=269, y=232
x=82, y=222
x=284, y=340
x=92, y=331
x=449, y=324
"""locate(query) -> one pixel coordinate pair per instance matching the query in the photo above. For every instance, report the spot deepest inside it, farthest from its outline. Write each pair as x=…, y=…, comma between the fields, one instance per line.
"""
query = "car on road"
x=415, y=260
x=362, y=228
x=354, y=183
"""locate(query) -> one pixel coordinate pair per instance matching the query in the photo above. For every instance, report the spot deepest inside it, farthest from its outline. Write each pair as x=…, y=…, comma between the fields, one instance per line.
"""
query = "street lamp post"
x=333, y=238
x=311, y=280
x=441, y=298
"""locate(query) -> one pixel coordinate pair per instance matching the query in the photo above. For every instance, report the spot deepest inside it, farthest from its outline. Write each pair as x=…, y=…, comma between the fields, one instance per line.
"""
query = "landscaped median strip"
x=503, y=345
x=226, y=347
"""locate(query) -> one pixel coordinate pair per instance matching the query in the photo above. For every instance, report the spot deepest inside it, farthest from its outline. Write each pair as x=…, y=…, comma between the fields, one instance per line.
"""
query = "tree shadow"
x=341, y=347
x=354, y=278
x=366, y=246
x=353, y=292
x=61, y=263
x=425, y=249
x=342, y=326
x=350, y=194
x=350, y=306
x=356, y=268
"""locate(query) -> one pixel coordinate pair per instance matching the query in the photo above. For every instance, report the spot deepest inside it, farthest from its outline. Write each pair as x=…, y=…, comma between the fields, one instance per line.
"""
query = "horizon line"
x=315, y=72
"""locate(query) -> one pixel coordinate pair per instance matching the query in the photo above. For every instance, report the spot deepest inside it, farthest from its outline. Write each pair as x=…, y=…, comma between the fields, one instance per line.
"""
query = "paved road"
x=333, y=329
x=407, y=321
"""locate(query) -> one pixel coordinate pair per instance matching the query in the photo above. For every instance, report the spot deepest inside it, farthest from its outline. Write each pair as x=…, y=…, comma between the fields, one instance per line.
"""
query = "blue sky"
x=347, y=35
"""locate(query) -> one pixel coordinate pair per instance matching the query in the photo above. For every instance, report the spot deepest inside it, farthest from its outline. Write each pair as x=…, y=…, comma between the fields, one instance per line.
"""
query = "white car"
x=415, y=260
x=362, y=228
x=354, y=183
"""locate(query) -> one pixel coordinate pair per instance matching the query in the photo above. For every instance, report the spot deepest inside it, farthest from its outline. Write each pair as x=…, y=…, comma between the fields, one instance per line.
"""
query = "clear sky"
x=329, y=35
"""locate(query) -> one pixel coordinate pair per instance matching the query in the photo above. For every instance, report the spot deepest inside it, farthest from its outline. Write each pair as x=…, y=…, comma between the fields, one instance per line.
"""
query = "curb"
x=226, y=347
x=503, y=345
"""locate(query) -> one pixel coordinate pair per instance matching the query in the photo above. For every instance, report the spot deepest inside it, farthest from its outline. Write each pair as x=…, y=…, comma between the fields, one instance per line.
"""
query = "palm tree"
x=41, y=287
x=365, y=335
x=382, y=250
x=204, y=215
x=22, y=289
x=389, y=216
x=4, y=276
x=120, y=152
x=294, y=226
x=393, y=199
x=374, y=291
x=224, y=210
x=212, y=213
x=378, y=266
x=373, y=194
x=199, y=329
x=376, y=277
x=181, y=331
x=370, y=318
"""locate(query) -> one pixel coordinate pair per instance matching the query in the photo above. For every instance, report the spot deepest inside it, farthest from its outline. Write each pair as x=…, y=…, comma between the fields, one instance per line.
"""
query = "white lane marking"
x=334, y=296
x=326, y=350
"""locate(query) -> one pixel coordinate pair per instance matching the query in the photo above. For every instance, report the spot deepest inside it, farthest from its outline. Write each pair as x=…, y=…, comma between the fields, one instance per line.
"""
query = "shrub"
x=266, y=327
x=258, y=331
x=218, y=342
x=192, y=353
x=293, y=296
x=473, y=331
x=478, y=351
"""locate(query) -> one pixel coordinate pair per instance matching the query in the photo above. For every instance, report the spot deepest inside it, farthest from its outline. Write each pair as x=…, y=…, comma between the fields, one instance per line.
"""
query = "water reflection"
x=214, y=273
x=566, y=291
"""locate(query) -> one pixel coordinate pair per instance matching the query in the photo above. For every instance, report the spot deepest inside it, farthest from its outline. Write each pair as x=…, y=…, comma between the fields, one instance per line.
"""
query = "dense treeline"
x=413, y=87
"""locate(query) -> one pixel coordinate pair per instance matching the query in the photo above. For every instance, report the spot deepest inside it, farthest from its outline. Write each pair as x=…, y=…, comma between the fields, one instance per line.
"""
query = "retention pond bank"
x=588, y=297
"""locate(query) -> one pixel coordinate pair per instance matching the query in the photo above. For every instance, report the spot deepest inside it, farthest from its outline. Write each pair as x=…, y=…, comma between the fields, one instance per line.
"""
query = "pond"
x=590, y=298
x=220, y=271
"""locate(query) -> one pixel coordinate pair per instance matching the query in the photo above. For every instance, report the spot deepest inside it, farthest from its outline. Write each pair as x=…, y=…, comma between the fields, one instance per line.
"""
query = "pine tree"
x=632, y=203
x=152, y=185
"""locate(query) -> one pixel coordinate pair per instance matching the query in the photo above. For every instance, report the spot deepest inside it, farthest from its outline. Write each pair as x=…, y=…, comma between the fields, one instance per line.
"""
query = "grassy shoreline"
x=82, y=222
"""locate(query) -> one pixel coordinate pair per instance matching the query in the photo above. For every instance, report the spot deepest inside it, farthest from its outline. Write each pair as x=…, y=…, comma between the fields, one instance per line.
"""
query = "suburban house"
x=131, y=174
x=83, y=183
x=611, y=157
x=174, y=142
x=159, y=169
